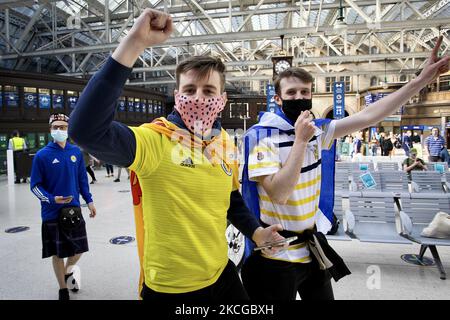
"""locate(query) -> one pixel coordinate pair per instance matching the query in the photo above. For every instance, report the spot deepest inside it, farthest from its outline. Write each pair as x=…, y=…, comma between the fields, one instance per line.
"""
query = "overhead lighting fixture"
x=340, y=25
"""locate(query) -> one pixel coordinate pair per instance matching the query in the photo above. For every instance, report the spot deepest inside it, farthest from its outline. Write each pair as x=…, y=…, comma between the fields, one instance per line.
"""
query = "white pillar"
x=10, y=166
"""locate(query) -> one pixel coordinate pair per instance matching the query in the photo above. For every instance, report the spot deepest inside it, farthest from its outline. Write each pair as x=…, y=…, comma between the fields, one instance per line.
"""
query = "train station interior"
x=369, y=50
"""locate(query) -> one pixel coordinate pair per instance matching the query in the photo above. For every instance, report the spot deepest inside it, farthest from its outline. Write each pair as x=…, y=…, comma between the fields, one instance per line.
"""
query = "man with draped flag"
x=283, y=183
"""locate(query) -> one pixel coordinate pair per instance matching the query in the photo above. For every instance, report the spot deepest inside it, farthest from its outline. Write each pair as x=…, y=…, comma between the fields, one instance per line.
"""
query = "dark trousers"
x=227, y=288
x=434, y=158
x=109, y=169
x=268, y=279
x=91, y=172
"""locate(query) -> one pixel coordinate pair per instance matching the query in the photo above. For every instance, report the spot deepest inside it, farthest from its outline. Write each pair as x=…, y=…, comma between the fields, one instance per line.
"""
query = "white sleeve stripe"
x=36, y=193
x=39, y=194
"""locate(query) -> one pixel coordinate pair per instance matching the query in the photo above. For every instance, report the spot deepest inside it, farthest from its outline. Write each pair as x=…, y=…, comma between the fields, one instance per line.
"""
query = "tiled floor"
x=111, y=271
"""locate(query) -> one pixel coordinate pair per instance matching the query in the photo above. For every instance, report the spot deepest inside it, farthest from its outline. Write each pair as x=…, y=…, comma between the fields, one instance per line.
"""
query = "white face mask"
x=59, y=135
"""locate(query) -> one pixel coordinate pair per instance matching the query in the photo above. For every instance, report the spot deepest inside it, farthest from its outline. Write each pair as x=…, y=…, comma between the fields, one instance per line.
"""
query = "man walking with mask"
x=184, y=172
x=282, y=182
x=58, y=177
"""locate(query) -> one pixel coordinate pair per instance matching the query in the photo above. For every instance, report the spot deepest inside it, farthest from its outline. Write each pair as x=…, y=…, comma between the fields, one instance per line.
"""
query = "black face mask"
x=293, y=108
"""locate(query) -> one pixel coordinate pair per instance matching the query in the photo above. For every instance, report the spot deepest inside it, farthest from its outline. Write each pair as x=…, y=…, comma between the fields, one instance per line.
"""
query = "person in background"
x=87, y=162
x=416, y=137
x=413, y=163
x=417, y=143
x=445, y=156
x=389, y=144
x=109, y=170
x=407, y=142
x=119, y=172
x=18, y=145
x=357, y=146
x=374, y=146
x=434, y=144
x=58, y=177
x=381, y=141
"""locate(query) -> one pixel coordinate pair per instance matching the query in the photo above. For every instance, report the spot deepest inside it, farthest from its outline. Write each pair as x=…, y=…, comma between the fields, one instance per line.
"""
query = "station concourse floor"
x=111, y=271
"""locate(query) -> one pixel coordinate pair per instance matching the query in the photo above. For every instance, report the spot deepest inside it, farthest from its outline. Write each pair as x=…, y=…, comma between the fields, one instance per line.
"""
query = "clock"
x=280, y=64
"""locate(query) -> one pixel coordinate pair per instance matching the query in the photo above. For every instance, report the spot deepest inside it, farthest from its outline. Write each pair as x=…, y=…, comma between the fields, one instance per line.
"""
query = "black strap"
x=311, y=167
x=301, y=237
x=291, y=143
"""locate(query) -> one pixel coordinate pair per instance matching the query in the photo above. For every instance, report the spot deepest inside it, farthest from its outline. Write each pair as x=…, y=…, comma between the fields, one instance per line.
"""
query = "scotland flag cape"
x=269, y=123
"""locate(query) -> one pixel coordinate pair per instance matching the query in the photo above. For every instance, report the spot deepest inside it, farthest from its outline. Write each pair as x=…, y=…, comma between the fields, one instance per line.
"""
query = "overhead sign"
x=339, y=100
x=72, y=101
x=420, y=127
x=44, y=101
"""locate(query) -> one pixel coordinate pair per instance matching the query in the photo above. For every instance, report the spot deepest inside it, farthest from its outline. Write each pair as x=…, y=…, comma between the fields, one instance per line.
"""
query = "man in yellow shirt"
x=17, y=144
x=186, y=170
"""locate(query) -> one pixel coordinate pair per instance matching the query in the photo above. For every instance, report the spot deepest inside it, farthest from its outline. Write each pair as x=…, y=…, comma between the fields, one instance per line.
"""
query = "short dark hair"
x=295, y=72
x=203, y=65
x=15, y=133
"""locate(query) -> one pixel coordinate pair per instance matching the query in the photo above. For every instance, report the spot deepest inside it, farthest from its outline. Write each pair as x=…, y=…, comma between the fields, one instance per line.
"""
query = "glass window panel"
x=444, y=83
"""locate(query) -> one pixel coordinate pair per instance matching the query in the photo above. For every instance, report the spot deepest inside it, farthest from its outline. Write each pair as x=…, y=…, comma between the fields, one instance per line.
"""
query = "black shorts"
x=62, y=243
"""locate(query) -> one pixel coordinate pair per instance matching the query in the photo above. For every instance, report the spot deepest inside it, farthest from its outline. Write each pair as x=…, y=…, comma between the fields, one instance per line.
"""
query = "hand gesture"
x=304, y=127
x=63, y=200
x=435, y=65
x=261, y=236
x=151, y=27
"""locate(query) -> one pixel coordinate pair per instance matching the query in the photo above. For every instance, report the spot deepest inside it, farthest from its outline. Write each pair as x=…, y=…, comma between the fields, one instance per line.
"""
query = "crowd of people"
x=382, y=144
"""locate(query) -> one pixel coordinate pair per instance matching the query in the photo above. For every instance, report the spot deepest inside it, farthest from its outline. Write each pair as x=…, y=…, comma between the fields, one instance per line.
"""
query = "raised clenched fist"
x=304, y=127
x=152, y=27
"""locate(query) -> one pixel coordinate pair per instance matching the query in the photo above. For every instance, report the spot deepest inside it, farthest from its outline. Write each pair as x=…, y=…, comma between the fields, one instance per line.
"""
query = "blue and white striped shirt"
x=434, y=145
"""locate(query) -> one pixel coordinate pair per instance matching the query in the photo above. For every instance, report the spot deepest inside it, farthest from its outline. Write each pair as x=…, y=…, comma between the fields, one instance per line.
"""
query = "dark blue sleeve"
x=239, y=215
x=83, y=180
x=37, y=180
x=91, y=123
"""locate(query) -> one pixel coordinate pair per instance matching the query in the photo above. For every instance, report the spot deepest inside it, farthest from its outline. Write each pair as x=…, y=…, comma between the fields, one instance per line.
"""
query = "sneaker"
x=73, y=279
x=17, y=181
x=64, y=294
x=24, y=180
x=92, y=182
x=117, y=180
